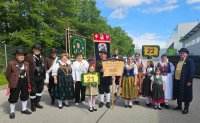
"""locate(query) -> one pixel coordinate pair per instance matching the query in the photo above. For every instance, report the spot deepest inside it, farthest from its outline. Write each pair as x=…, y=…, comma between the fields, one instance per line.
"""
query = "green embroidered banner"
x=77, y=44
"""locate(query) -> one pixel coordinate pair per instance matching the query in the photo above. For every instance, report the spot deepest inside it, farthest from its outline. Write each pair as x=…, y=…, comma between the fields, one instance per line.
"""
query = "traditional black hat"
x=53, y=50
x=184, y=50
x=20, y=51
x=36, y=46
x=103, y=51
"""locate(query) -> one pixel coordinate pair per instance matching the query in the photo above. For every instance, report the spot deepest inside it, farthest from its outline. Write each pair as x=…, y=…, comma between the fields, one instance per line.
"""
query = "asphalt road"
x=80, y=114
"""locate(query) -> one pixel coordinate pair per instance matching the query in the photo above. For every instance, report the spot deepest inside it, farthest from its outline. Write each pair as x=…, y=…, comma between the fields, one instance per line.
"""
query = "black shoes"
x=167, y=106
x=178, y=108
x=60, y=107
x=101, y=104
x=12, y=115
x=94, y=109
x=38, y=105
x=26, y=112
x=90, y=109
x=185, y=111
x=67, y=105
x=53, y=102
x=148, y=105
x=130, y=106
x=108, y=104
x=33, y=108
x=125, y=106
x=159, y=108
x=136, y=102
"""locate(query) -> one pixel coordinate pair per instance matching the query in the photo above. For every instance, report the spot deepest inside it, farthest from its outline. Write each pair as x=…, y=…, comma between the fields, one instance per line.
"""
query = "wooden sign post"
x=113, y=67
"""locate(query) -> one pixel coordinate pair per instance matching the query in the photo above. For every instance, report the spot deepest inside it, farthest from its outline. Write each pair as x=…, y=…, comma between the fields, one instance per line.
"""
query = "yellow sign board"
x=113, y=67
x=90, y=78
x=150, y=50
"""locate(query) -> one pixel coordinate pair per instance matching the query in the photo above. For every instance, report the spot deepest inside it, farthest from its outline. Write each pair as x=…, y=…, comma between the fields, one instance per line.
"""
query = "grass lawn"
x=3, y=80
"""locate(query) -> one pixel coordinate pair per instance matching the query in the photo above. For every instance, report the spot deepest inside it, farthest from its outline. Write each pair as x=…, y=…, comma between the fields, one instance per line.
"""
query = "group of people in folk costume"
x=26, y=77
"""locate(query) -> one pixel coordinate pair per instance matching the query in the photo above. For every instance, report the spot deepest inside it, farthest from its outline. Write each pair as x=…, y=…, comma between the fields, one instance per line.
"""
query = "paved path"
x=80, y=114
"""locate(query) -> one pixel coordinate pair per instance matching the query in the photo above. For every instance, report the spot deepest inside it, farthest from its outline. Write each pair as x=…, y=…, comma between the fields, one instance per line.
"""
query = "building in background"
x=191, y=40
x=180, y=31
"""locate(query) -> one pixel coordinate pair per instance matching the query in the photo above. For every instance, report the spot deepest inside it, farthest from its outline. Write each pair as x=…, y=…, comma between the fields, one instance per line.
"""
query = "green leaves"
x=25, y=22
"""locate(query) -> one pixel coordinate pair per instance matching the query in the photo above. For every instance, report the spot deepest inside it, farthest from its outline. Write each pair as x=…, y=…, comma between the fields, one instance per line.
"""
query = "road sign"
x=150, y=50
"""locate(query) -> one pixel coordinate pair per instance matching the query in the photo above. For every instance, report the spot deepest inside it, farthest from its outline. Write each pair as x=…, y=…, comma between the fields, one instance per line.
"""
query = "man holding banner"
x=50, y=63
x=105, y=82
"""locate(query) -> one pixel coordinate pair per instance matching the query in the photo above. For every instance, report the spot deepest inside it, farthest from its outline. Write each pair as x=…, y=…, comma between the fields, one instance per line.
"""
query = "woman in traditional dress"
x=140, y=75
x=64, y=89
x=146, y=87
x=167, y=71
x=129, y=82
x=79, y=66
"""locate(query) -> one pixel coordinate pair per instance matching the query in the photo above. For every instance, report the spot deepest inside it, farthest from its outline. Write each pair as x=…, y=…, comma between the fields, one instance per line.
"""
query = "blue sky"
x=149, y=21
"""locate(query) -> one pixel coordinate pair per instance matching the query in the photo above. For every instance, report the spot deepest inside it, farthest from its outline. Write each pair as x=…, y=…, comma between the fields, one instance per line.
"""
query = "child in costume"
x=157, y=89
x=146, y=87
x=92, y=92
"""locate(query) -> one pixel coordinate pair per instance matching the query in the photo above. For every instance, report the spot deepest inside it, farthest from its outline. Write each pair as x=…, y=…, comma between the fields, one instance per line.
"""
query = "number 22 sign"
x=90, y=78
x=150, y=50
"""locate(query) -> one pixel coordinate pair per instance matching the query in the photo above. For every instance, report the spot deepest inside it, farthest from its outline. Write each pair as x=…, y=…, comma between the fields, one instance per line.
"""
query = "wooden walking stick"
x=91, y=94
x=113, y=97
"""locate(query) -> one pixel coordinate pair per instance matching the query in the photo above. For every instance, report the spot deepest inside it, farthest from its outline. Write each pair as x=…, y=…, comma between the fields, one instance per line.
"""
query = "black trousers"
x=179, y=102
x=21, y=90
x=79, y=89
x=186, y=104
x=50, y=86
x=117, y=80
x=37, y=85
x=104, y=88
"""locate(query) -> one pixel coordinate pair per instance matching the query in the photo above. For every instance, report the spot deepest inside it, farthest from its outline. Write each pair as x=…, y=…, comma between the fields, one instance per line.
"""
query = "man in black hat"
x=182, y=88
x=37, y=76
x=105, y=82
x=17, y=74
x=50, y=63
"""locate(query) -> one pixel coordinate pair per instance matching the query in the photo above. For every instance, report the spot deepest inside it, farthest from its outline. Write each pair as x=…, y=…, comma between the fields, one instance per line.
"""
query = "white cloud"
x=193, y=1
x=148, y=39
x=126, y=3
x=197, y=7
x=119, y=13
x=160, y=8
x=121, y=7
x=171, y=1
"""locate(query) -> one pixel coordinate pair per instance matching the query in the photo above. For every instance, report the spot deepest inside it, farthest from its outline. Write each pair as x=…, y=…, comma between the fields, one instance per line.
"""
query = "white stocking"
x=24, y=104
x=12, y=107
x=107, y=97
x=102, y=97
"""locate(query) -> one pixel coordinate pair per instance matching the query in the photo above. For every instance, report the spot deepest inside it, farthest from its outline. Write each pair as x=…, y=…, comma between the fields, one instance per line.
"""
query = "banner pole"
x=68, y=36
